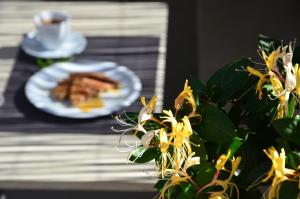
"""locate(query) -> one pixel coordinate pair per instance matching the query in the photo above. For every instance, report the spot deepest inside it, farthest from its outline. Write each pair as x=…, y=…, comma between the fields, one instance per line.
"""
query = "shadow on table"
x=34, y=194
x=8, y=52
x=138, y=53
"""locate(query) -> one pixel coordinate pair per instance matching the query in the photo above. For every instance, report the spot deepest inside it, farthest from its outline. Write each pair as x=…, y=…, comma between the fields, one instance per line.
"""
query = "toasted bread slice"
x=96, y=76
x=61, y=91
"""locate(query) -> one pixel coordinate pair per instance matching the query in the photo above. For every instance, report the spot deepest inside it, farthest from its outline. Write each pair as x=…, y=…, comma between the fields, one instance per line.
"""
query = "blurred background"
x=195, y=38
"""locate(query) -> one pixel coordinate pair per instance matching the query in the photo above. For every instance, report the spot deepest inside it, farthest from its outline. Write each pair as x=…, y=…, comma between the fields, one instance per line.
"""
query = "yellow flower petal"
x=261, y=81
x=164, y=142
x=272, y=58
x=297, y=74
x=186, y=94
x=174, y=180
x=280, y=94
x=227, y=182
x=222, y=161
x=278, y=172
x=146, y=112
x=169, y=118
x=255, y=72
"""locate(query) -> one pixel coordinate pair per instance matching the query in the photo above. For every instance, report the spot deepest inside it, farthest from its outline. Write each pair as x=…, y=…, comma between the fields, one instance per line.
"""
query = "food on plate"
x=83, y=89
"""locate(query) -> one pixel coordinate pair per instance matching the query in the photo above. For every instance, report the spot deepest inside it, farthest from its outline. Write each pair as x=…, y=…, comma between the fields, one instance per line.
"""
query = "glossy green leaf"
x=289, y=190
x=143, y=155
x=215, y=126
x=291, y=106
x=268, y=44
x=198, y=147
x=188, y=191
x=228, y=80
x=198, y=85
x=293, y=159
x=205, y=173
x=235, y=145
x=288, y=128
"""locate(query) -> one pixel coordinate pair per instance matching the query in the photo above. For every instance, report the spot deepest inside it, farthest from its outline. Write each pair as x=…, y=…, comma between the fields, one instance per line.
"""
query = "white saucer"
x=75, y=43
x=38, y=88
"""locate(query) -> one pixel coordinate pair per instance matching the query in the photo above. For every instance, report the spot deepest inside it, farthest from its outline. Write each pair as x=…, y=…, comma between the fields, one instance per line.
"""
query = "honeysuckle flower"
x=147, y=138
x=178, y=138
x=182, y=133
x=215, y=197
x=176, y=151
x=297, y=77
x=225, y=184
x=222, y=161
x=261, y=81
x=164, y=146
x=186, y=94
x=175, y=179
x=169, y=118
x=280, y=94
x=146, y=113
x=270, y=62
x=277, y=171
x=191, y=161
x=179, y=174
x=290, y=78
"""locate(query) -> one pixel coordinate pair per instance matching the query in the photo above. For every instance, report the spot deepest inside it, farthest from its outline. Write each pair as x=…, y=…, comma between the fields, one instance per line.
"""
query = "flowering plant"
x=237, y=136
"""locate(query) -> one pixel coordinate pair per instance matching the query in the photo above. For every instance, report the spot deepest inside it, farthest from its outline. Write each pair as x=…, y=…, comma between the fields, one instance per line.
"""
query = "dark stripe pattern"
x=140, y=54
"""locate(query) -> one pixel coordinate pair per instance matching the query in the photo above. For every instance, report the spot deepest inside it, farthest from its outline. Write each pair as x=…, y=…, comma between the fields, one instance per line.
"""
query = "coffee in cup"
x=52, y=28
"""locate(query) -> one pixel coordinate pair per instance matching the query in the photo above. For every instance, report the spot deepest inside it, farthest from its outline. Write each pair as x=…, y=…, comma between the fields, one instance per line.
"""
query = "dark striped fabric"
x=140, y=54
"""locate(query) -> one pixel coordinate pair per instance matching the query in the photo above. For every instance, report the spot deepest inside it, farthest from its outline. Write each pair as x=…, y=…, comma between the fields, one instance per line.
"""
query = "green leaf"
x=291, y=106
x=188, y=191
x=235, y=114
x=289, y=128
x=293, y=159
x=197, y=85
x=143, y=155
x=267, y=43
x=235, y=145
x=228, y=80
x=215, y=126
x=260, y=112
x=160, y=184
x=251, y=173
x=288, y=190
x=205, y=173
x=251, y=194
x=198, y=147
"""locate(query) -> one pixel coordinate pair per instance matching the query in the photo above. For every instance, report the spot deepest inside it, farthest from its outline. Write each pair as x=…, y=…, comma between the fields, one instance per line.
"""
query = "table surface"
x=76, y=161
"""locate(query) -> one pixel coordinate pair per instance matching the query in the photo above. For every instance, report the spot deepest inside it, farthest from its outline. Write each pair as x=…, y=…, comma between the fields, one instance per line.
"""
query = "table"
x=75, y=161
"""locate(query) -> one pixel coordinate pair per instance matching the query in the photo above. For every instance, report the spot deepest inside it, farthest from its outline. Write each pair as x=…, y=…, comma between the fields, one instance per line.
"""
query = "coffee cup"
x=52, y=28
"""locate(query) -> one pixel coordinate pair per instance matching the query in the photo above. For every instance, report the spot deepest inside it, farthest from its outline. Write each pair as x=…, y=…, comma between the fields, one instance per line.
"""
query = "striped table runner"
x=77, y=161
x=139, y=54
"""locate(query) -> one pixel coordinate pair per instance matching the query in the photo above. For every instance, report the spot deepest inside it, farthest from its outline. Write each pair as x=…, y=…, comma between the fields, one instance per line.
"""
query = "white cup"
x=52, y=28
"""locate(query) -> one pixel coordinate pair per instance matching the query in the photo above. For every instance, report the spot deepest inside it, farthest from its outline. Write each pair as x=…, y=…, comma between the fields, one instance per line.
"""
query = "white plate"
x=75, y=43
x=38, y=88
